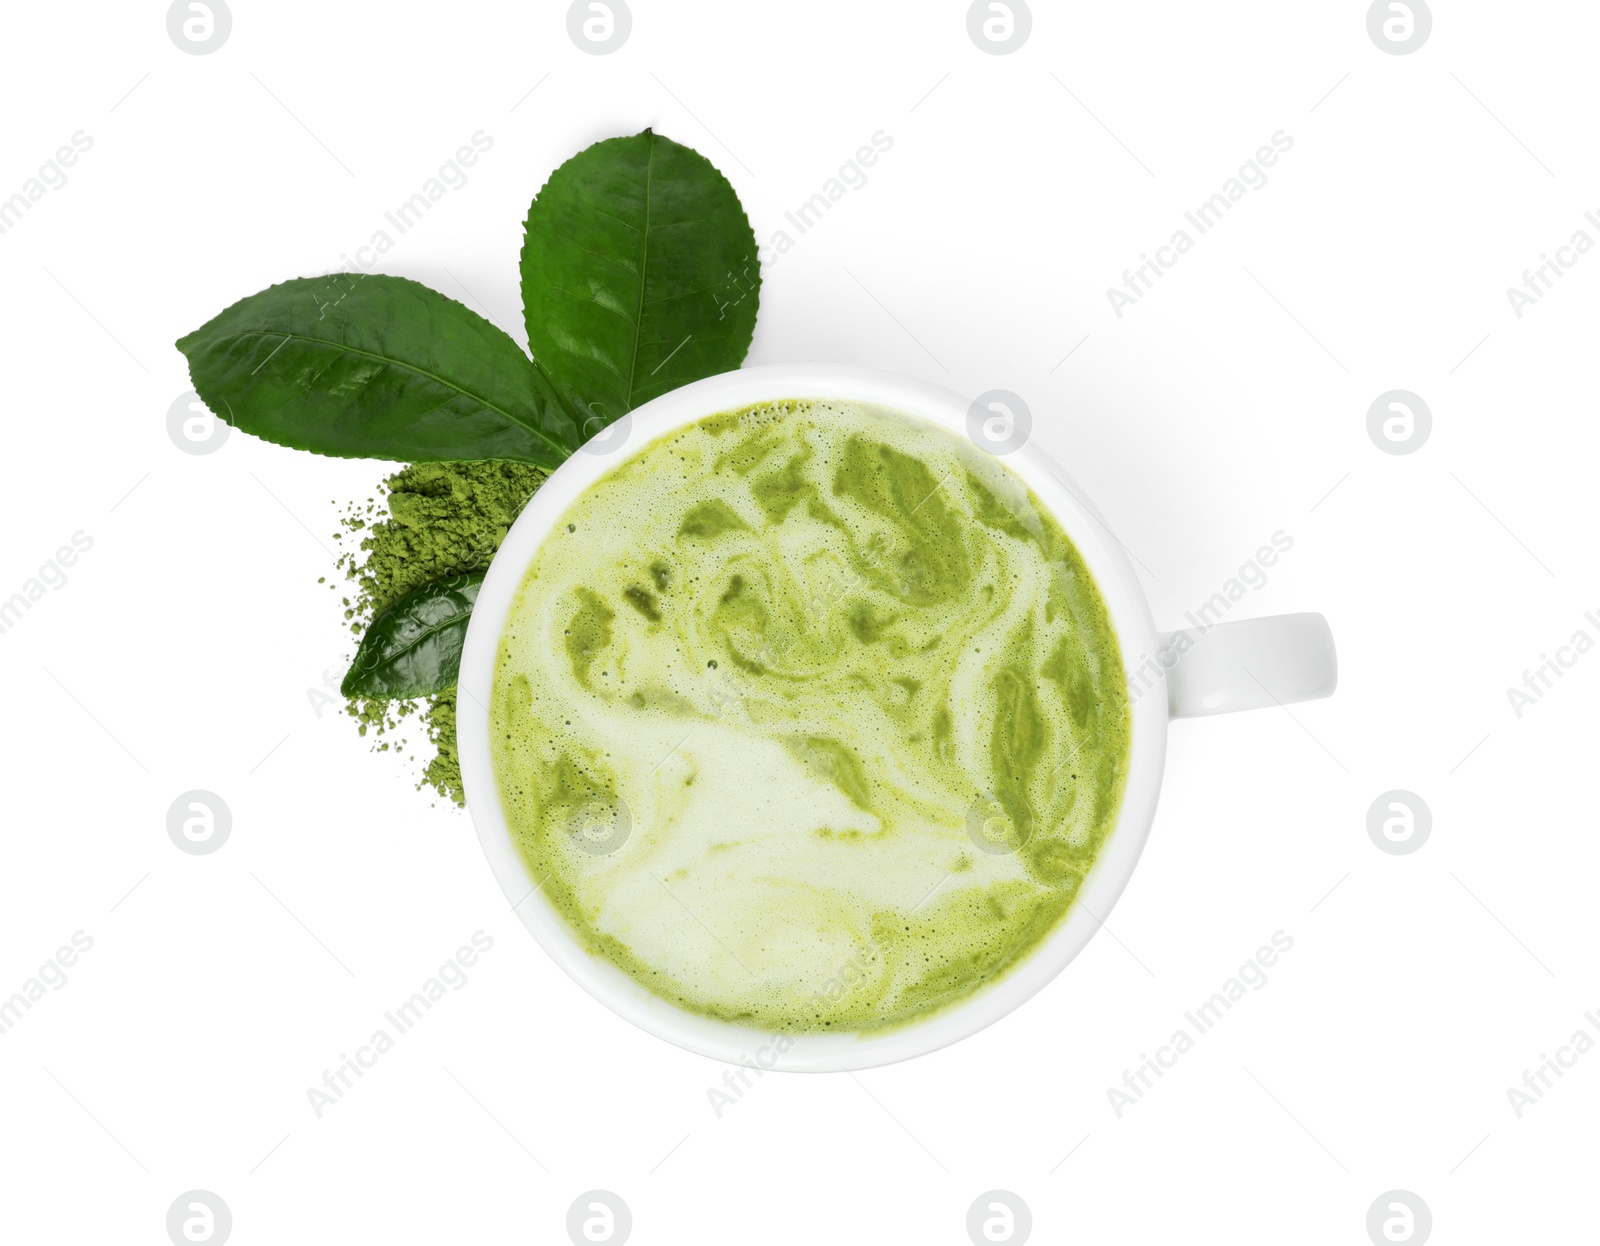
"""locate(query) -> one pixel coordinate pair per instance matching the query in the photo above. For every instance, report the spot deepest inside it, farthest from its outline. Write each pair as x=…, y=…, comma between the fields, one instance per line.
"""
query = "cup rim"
x=1125, y=601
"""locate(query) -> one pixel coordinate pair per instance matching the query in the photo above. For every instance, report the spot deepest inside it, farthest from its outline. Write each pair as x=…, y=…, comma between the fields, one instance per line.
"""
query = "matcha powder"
x=441, y=518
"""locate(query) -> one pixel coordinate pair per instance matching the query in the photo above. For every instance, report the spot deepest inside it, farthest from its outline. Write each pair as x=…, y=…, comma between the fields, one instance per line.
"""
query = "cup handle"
x=1248, y=665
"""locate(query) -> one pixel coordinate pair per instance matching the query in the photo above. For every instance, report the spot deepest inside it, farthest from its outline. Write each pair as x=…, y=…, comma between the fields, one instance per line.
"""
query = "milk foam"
x=777, y=694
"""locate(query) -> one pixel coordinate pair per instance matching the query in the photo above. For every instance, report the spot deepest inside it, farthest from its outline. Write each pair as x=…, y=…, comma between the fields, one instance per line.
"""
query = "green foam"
x=798, y=650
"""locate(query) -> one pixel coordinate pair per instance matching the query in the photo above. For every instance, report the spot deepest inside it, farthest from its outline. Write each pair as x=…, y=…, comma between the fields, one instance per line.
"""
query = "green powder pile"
x=430, y=519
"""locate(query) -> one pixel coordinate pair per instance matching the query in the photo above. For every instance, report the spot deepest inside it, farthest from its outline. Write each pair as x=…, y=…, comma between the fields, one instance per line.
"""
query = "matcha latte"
x=809, y=717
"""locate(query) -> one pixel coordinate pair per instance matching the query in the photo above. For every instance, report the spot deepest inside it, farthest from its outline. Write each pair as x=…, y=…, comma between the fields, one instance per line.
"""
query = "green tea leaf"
x=639, y=274
x=413, y=649
x=362, y=365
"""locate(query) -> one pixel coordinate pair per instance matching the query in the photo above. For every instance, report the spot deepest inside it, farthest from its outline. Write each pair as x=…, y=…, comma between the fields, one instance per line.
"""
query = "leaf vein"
x=644, y=268
x=407, y=366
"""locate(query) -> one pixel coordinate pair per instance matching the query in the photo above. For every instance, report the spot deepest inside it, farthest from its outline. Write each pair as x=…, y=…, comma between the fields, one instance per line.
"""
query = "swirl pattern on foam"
x=810, y=717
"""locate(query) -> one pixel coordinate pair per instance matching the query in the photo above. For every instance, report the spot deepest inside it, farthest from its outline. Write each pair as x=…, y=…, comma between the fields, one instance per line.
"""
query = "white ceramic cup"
x=1248, y=664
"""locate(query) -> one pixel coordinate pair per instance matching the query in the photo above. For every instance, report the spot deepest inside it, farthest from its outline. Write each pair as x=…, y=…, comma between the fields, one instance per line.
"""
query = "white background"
x=1225, y=406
